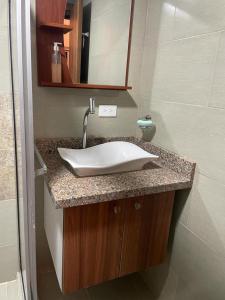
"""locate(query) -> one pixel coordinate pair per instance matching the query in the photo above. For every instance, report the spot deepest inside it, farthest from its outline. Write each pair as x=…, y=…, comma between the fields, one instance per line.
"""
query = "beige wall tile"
x=193, y=272
x=160, y=22
x=218, y=90
x=5, y=79
x=195, y=17
x=183, y=72
x=7, y=158
x=7, y=183
x=6, y=127
x=206, y=216
x=8, y=223
x=195, y=132
x=201, y=270
x=4, y=14
x=5, y=102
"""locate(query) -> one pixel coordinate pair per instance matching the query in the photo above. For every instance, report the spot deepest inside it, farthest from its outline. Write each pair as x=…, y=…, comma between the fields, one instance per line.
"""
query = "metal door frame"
x=27, y=143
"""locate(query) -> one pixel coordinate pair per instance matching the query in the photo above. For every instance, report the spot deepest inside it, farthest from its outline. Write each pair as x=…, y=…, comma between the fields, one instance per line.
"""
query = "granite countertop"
x=168, y=172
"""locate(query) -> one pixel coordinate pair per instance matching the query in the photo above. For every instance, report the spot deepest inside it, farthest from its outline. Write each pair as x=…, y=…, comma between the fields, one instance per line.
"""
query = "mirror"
x=97, y=48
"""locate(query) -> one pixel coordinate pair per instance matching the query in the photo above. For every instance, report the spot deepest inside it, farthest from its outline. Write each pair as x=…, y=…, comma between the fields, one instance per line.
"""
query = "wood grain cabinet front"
x=95, y=243
x=108, y=240
x=92, y=244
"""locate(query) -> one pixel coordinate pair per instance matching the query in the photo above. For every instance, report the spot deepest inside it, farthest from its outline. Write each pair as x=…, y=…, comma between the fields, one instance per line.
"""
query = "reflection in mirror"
x=97, y=47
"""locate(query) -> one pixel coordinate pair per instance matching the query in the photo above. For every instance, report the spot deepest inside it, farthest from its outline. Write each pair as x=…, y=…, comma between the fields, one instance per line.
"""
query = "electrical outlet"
x=107, y=111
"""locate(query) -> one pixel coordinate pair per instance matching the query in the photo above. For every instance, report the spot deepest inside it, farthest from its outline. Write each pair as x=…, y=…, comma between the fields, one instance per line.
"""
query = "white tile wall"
x=200, y=270
x=218, y=89
x=183, y=70
x=3, y=14
x=195, y=17
x=185, y=55
x=5, y=79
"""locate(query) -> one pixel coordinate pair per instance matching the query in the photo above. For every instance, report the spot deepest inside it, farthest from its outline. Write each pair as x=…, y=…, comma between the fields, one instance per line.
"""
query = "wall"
x=109, y=36
x=59, y=112
x=184, y=68
x=8, y=202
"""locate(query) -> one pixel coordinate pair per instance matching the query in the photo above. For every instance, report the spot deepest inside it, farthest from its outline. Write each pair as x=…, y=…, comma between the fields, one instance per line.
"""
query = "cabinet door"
x=92, y=244
x=146, y=231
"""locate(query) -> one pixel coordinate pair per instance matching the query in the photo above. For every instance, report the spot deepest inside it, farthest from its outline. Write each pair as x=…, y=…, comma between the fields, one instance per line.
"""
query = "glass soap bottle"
x=56, y=64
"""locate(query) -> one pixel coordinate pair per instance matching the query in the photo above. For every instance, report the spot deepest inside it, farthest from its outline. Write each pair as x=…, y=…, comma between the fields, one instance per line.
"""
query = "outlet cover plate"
x=107, y=111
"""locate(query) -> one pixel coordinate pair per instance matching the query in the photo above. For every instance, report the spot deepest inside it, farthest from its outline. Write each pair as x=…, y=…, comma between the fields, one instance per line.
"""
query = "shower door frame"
x=29, y=277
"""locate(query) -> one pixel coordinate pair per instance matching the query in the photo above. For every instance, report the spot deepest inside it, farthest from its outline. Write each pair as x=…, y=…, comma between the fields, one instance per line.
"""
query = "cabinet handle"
x=117, y=210
x=137, y=205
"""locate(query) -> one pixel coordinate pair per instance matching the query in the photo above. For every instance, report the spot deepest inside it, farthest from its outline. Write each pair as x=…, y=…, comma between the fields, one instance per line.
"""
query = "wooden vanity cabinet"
x=111, y=239
x=92, y=244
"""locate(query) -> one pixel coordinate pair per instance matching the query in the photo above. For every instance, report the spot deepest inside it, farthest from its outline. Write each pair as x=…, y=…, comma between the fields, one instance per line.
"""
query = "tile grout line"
x=188, y=104
x=212, y=80
x=162, y=44
x=203, y=241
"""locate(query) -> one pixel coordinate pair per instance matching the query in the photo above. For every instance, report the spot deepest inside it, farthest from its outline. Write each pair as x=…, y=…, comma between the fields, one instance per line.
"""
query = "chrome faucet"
x=90, y=110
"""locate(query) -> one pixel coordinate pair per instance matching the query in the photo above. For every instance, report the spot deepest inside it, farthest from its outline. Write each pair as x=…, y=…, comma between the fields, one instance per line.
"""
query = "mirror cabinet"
x=95, y=42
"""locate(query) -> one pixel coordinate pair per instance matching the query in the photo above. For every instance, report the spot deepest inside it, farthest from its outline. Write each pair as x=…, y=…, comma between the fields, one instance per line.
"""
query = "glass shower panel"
x=19, y=25
x=9, y=262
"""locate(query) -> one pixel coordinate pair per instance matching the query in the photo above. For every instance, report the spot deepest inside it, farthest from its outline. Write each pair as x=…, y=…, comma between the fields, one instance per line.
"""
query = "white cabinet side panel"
x=53, y=222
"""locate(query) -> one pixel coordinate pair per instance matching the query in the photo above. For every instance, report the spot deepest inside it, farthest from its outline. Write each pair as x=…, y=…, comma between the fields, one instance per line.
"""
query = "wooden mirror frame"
x=50, y=28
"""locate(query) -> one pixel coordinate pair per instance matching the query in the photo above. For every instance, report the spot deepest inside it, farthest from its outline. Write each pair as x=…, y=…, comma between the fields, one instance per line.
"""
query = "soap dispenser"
x=147, y=127
x=56, y=64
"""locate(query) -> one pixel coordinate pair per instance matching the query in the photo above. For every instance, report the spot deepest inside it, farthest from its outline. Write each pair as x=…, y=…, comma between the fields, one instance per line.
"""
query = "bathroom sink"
x=108, y=158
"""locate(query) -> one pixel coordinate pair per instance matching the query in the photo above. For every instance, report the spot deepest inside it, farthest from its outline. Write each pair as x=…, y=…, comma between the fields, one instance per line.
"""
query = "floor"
x=10, y=290
x=131, y=287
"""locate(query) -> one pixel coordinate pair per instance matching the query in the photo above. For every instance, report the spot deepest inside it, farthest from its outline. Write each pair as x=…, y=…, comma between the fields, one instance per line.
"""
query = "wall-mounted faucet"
x=90, y=110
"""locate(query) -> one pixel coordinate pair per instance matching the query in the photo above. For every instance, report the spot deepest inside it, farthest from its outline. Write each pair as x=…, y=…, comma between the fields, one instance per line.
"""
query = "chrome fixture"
x=43, y=170
x=90, y=110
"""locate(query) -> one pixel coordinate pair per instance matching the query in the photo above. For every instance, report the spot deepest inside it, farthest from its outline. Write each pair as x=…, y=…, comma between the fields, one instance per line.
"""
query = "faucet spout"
x=92, y=105
x=90, y=110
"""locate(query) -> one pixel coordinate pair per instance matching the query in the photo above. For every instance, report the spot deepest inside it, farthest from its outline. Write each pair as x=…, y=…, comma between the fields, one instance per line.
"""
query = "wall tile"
x=8, y=263
x=5, y=102
x=186, y=97
x=218, y=90
x=6, y=126
x=7, y=183
x=193, y=17
x=5, y=78
x=195, y=132
x=206, y=216
x=160, y=22
x=202, y=272
x=8, y=223
x=7, y=158
x=4, y=14
x=183, y=73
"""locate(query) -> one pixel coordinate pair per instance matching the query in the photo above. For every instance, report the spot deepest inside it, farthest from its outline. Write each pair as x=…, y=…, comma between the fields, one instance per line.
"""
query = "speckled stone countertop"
x=168, y=172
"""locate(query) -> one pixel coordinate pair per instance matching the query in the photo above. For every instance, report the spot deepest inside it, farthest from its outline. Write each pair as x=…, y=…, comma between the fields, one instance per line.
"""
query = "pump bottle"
x=56, y=64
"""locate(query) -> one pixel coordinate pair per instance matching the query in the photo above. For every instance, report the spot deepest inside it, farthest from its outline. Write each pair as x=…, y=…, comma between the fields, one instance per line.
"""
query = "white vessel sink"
x=108, y=158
